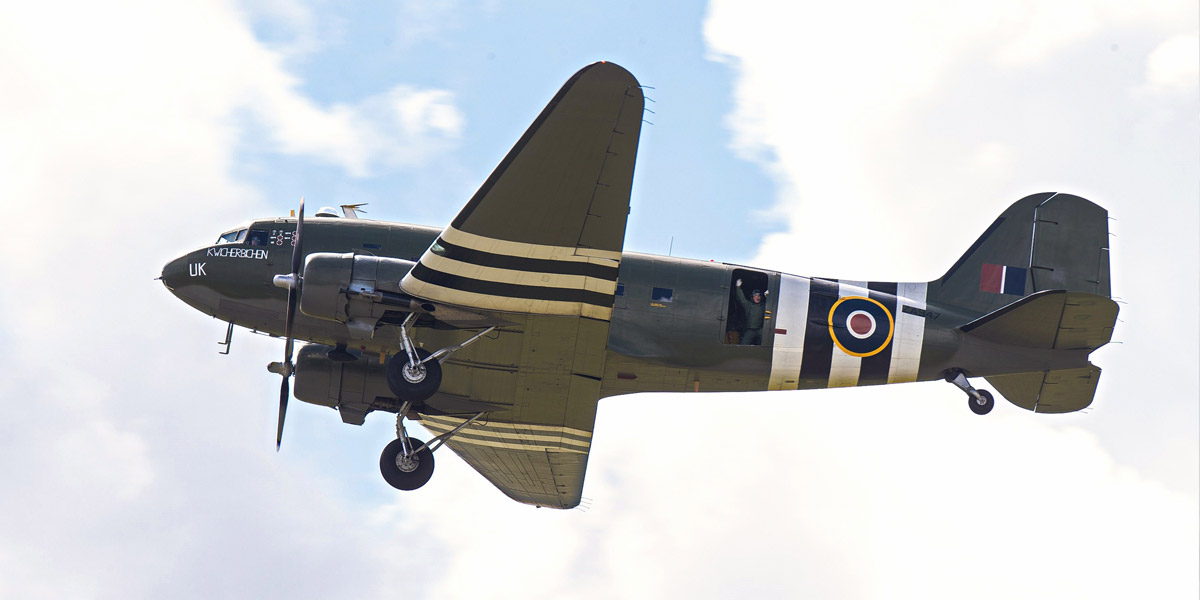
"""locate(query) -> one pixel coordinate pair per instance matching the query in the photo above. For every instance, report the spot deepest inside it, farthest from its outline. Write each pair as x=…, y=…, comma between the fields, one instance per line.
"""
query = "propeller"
x=294, y=283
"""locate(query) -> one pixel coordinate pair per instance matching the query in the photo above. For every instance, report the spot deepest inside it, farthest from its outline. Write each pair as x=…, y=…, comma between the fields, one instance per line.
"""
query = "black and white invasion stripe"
x=805, y=354
x=471, y=270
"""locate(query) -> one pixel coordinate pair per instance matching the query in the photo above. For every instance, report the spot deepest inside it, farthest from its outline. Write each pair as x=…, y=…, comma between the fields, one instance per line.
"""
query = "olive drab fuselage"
x=671, y=320
x=1024, y=307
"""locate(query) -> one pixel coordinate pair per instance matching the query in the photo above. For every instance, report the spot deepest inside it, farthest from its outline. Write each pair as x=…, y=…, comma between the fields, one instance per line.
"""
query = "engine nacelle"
x=333, y=281
x=355, y=387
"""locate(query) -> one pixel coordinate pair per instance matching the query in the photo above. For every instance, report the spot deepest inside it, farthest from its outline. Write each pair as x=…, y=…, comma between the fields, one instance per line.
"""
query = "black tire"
x=982, y=408
x=413, y=391
x=402, y=480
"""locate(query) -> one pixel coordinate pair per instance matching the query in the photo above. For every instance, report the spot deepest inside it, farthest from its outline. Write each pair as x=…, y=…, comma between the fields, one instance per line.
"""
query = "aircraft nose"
x=187, y=278
x=175, y=273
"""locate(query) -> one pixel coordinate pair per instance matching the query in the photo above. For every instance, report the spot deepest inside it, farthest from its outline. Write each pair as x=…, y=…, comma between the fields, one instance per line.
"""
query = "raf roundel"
x=861, y=326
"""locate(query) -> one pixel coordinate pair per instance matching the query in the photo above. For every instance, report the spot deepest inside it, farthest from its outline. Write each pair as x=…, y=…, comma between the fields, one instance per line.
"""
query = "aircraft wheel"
x=413, y=385
x=406, y=473
x=984, y=404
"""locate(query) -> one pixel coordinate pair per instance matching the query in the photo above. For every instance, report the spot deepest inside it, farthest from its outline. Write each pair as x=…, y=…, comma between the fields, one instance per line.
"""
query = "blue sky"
x=502, y=64
x=139, y=463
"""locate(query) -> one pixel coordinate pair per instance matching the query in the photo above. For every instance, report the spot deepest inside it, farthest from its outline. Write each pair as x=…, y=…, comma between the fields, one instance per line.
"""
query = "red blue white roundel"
x=861, y=326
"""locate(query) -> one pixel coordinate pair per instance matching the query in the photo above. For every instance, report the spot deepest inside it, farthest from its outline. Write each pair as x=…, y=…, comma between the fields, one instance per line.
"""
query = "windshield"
x=233, y=237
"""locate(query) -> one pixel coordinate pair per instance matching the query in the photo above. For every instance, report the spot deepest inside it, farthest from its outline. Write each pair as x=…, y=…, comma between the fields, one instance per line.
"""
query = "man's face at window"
x=757, y=297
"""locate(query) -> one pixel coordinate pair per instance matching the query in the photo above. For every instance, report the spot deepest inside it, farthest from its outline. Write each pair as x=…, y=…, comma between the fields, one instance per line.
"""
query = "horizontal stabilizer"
x=1061, y=391
x=1053, y=319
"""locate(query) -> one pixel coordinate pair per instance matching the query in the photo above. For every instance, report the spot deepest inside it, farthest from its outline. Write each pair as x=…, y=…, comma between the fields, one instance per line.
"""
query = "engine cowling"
x=335, y=283
x=354, y=388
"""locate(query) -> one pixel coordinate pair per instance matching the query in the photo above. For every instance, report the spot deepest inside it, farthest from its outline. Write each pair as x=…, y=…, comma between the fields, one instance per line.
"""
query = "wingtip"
x=607, y=64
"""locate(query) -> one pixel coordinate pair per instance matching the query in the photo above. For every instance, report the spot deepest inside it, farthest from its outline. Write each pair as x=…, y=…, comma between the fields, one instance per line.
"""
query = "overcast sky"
x=871, y=141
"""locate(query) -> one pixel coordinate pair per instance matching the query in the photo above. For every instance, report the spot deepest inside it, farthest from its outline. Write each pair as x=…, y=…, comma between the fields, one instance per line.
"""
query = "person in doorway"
x=753, y=309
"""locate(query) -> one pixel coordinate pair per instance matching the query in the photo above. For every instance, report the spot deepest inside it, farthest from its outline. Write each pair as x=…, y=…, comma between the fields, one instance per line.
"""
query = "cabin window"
x=233, y=237
x=259, y=237
x=663, y=295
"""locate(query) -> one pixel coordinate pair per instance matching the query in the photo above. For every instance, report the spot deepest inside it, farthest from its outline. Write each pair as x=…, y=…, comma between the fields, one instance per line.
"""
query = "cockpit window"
x=259, y=237
x=233, y=237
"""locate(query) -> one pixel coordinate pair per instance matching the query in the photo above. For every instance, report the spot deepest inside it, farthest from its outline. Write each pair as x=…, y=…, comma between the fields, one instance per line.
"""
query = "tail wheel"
x=984, y=404
x=413, y=384
x=406, y=470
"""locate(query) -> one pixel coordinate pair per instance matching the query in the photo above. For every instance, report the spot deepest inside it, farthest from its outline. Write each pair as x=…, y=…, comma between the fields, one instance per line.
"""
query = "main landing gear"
x=407, y=463
x=414, y=376
x=980, y=401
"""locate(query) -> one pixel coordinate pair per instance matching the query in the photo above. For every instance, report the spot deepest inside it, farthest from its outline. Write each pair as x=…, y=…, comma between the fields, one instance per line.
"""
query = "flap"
x=539, y=383
x=534, y=464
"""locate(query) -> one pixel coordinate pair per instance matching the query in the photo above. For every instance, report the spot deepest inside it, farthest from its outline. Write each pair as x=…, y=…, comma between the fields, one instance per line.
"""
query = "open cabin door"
x=749, y=322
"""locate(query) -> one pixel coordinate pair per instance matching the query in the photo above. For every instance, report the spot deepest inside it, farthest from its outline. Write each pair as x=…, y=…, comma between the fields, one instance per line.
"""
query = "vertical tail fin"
x=1046, y=241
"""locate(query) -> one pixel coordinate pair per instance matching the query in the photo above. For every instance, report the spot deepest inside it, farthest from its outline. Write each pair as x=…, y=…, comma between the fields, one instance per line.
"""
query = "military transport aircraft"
x=500, y=332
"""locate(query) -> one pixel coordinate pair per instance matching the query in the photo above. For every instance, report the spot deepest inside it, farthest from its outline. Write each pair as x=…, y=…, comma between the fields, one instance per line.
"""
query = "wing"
x=544, y=233
x=538, y=245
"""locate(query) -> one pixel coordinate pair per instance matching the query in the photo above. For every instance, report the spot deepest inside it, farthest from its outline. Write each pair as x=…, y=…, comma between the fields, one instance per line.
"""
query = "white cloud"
x=1175, y=64
x=895, y=134
x=884, y=109
x=128, y=473
x=827, y=493
x=403, y=126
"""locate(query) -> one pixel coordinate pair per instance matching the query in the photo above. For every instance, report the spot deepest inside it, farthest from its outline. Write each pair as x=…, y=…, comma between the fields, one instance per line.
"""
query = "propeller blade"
x=297, y=238
x=284, y=392
x=293, y=300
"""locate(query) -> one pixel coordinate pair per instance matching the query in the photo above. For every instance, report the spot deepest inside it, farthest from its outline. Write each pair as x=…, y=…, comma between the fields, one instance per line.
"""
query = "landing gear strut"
x=414, y=378
x=407, y=463
x=980, y=401
x=415, y=374
x=412, y=375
